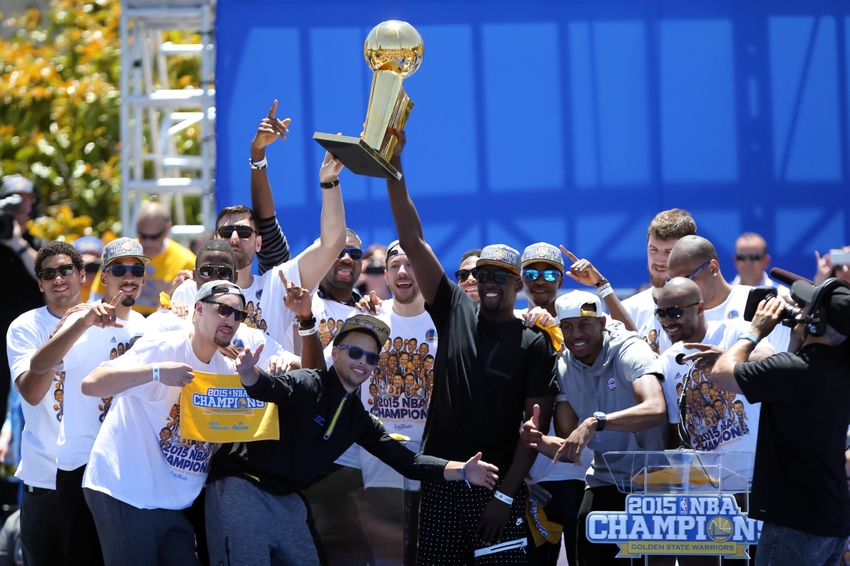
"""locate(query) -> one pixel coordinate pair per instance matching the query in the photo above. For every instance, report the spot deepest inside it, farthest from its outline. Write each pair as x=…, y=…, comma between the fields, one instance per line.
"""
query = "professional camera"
x=8, y=207
x=790, y=315
x=804, y=293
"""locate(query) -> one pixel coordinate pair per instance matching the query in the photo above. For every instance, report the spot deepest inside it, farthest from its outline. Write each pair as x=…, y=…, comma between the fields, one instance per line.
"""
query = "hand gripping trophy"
x=394, y=51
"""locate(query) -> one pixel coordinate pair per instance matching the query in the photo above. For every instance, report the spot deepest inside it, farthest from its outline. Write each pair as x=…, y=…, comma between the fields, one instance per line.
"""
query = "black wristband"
x=307, y=324
x=600, y=283
x=329, y=185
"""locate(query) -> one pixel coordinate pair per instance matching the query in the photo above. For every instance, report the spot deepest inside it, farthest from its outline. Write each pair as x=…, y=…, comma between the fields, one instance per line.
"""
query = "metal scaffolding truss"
x=153, y=113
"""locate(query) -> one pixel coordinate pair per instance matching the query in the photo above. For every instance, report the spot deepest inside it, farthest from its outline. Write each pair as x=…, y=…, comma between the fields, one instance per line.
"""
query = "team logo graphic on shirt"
x=328, y=329
x=226, y=401
x=59, y=394
x=400, y=385
x=713, y=416
x=255, y=315
x=184, y=456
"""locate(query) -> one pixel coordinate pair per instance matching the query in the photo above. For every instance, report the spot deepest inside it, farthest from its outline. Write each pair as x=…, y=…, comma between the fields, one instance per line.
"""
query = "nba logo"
x=683, y=506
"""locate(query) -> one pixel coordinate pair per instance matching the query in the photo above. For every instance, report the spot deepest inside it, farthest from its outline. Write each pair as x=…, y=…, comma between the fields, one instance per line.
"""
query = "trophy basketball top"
x=394, y=46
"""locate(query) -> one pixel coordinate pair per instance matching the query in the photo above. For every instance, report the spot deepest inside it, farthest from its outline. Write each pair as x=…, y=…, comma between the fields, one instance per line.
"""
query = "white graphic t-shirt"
x=139, y=456
x=38, y=441
x=641, y=308
x=716, y=419
x=399, y=390
x=82, y=415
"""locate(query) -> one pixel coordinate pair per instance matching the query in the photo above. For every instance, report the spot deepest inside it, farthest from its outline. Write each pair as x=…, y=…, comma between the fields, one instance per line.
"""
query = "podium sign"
x=680, y=525
x=678, y=503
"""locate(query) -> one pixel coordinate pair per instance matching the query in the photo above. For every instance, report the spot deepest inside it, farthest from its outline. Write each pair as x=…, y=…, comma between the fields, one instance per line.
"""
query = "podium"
x=678, y=503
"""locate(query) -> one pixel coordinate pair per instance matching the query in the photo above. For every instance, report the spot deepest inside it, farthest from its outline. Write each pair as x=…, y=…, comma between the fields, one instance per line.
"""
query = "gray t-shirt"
x=607, y=386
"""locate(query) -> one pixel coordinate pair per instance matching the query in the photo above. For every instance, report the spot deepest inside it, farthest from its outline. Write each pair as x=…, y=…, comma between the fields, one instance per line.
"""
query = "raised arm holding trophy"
x=394, y=51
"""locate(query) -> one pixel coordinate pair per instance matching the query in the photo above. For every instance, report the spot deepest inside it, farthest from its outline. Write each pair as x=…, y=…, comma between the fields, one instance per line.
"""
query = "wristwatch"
x=600, y=418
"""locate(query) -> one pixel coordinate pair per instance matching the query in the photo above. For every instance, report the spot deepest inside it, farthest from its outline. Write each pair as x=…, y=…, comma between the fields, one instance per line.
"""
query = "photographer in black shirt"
x=799, y=482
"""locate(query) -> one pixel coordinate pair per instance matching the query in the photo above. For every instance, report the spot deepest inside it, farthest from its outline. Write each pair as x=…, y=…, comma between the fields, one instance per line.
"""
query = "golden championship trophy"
x=394, y=51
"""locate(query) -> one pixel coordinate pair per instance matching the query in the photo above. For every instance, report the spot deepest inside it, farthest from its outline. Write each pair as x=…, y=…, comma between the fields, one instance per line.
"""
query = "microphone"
x=683, y=427
x=787, y=277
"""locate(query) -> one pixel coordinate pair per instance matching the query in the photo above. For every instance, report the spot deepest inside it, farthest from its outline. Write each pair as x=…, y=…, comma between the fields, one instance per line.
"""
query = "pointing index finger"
x=273, y=109
x=569, y=254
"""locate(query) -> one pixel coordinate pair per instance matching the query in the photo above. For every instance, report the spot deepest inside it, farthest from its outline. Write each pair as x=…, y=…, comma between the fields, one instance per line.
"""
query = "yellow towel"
x=216, y=408
x=542, y=529
x=554, y=332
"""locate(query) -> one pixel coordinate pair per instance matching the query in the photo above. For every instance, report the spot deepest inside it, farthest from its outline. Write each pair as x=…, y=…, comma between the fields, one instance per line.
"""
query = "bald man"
x=695, y=258
x=752, y=261
x=168, y=258
x=722, y=421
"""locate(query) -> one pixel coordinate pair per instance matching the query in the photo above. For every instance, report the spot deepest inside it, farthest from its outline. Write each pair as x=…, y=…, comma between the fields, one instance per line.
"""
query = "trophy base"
x=357, y=156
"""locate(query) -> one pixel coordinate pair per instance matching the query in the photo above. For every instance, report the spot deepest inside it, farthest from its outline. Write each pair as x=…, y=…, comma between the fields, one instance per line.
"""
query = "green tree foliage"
x=59, y=111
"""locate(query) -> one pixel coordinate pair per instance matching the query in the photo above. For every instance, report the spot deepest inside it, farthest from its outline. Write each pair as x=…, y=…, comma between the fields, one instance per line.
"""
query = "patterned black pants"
x=448, y=516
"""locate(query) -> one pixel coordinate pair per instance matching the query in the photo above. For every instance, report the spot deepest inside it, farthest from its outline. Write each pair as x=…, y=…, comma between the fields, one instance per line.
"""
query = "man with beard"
x=59, y=269
x=681, y=312
x=610, y=400
x=664, y=231
x=695, y=258
x=385, y=503
x=489, y=370
x=136, y=488
x=77, y=348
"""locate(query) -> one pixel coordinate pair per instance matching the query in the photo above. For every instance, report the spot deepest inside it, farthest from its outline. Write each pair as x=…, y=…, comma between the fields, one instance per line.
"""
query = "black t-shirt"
x=483, y=373
x=799, y=479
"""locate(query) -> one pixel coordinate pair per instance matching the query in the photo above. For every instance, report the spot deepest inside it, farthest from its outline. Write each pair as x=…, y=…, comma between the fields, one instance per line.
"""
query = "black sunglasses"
x=223, y=271
x=353, y=253
x=483, y=276
x=243, y=232
x=750, y=257
x=227, y=310
x=49, y=273
x=673, y=312
x=550, y=275
x=92, y=267
x=356, y=353
x=153, y=236
x=137, y=271
x=462, y=275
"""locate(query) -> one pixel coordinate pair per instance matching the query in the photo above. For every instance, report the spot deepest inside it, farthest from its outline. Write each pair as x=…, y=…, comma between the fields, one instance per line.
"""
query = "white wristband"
x=605, y=290
x=155, y=372
x=503, y=498
x=308, y=331
x=261, y=164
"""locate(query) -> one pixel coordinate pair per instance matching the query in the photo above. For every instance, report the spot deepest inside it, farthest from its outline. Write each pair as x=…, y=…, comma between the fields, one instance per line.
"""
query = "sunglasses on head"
x=226, y=310
x=49, y=273
x=353, y=253
x=550, y=275
x=673, y=312
x=483, y=276
x=749, y=257
x=355, y=353
x=137, y=271
x=223, y=271
x=697, y=272
x=243, y=232
x=93, y=267
x=462, y=275
x=152, y=236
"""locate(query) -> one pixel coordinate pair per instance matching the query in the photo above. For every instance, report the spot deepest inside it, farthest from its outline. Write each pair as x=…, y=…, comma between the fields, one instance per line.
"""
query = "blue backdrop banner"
x=572, y=122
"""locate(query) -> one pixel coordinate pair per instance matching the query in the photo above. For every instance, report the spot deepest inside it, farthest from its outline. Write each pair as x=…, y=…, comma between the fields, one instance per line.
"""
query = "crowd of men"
x=439, y=426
